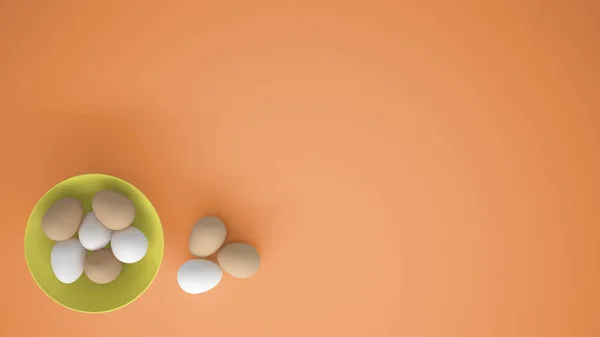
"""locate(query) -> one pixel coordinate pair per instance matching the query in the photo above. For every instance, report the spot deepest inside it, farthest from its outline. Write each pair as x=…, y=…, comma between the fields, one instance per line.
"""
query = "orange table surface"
x=405, y=168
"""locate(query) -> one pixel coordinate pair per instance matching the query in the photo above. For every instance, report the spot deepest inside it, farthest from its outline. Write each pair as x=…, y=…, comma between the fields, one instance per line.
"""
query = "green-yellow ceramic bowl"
x=84, y=295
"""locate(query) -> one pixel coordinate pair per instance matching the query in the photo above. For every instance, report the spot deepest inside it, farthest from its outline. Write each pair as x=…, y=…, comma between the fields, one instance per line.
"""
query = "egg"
x=62, y=219
x=113, y=209
x=239, y=259
x=67, y=259
x=207, y=236
x=102, y=266
x=129, y=245
x=92, y=234
x=198, y=276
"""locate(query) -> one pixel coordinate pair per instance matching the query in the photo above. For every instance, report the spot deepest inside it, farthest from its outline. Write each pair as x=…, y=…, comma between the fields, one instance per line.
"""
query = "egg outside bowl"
x=83, y=295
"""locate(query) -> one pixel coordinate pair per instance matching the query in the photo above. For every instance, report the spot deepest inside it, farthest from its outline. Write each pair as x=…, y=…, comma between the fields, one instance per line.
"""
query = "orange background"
x=425, y=168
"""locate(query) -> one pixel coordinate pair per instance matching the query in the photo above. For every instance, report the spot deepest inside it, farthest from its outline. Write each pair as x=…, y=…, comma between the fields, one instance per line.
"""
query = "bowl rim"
x=162, y=246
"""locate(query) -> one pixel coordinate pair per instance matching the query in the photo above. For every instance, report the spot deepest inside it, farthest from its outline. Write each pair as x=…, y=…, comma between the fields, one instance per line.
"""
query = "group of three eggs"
x=208, y=235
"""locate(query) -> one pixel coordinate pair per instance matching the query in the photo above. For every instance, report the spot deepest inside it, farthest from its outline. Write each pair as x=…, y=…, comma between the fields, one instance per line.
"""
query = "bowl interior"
x=84, y=295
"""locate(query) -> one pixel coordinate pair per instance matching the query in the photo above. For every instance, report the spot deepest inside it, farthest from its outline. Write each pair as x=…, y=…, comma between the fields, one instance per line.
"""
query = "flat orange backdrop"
x=422, y=169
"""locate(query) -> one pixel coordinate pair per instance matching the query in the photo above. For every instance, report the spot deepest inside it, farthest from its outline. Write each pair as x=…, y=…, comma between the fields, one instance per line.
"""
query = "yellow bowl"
x=84, y=295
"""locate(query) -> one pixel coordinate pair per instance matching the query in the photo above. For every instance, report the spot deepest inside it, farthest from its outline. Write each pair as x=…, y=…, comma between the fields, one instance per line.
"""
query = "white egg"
x=67, y=259
x=92, y=233
x=198, y=276
x=129, y=245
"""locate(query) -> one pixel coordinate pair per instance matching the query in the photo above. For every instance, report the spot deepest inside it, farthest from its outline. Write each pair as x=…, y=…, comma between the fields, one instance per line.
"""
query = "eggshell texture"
x=62, y=219
x=129, y=245
x=207, y=236
x=92, y=234
x=67, y=259
x=113, y=209
x=239, y=259
x=102, y=266
x=198, y=276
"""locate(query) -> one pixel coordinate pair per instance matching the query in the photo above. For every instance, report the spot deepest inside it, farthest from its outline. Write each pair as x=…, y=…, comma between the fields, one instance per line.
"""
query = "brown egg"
x=62, y=219
x=207, y=236
x=239, y=260
x=102, y=266
x=113, y=209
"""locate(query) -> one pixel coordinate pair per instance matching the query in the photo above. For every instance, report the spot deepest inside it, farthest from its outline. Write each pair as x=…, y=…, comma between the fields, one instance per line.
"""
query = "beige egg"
x=239, y=260
x=207, y=236
x=102, y=266
x=113, y=209
x=62, y=219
